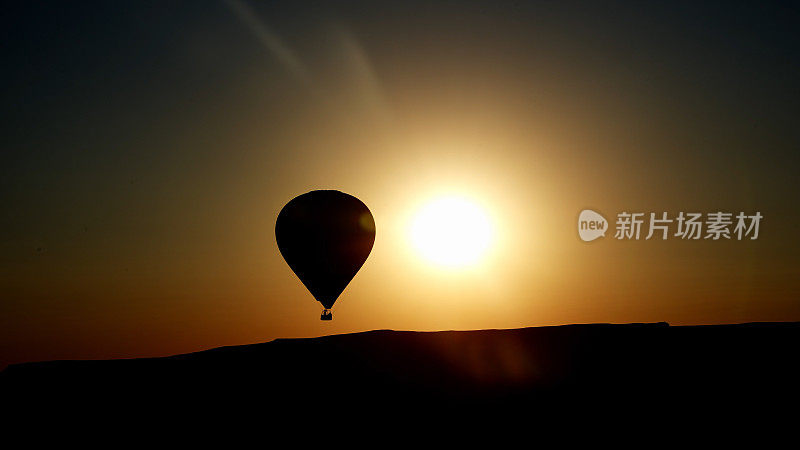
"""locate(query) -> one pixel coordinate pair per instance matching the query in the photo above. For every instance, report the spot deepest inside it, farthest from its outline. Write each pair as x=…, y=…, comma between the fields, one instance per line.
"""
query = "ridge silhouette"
x=543, y=365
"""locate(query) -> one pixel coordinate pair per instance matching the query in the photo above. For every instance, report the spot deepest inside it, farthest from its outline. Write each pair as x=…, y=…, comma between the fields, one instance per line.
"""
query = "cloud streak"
x=269, y=40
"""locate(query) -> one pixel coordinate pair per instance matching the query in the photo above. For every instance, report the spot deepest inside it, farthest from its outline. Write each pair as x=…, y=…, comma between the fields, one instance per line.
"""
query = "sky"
x=148, y=148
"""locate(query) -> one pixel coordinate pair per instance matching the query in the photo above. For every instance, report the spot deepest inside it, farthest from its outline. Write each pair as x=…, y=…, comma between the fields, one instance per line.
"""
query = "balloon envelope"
x=325, y=237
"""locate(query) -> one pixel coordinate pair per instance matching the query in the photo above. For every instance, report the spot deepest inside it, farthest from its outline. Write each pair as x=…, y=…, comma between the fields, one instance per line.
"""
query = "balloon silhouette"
x=325, y=237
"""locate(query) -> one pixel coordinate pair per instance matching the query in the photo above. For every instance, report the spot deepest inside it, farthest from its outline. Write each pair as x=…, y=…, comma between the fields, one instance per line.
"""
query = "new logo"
x=591, y=225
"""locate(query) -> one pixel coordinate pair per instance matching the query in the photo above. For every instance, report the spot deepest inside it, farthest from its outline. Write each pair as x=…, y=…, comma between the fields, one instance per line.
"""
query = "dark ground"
x=731, y=369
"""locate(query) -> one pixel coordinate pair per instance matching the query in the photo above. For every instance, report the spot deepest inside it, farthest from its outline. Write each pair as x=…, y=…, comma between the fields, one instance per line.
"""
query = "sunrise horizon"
x=442, y=203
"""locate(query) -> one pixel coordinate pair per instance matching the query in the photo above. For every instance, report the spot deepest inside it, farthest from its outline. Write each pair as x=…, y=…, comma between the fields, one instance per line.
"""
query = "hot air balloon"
x=325, y=237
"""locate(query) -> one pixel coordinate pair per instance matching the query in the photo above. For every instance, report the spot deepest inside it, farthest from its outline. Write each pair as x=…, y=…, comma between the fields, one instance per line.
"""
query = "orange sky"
x=147, y=166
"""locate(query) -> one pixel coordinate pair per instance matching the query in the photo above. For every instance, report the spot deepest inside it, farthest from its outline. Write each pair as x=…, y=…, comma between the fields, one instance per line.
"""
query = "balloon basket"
x=326, y=315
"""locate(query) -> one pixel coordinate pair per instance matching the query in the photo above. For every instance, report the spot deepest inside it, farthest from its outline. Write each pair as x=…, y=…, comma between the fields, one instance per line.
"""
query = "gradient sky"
x=148, y=148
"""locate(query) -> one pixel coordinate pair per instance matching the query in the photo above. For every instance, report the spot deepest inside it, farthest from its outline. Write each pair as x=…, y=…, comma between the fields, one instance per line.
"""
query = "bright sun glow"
x=451, y=231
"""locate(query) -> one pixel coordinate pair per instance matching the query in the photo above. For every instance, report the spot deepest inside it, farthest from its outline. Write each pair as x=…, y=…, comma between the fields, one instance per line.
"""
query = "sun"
x=451, y=231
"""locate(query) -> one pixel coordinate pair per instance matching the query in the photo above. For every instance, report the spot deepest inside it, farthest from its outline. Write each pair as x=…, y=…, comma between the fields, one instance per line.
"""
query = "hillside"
x=653, y=363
